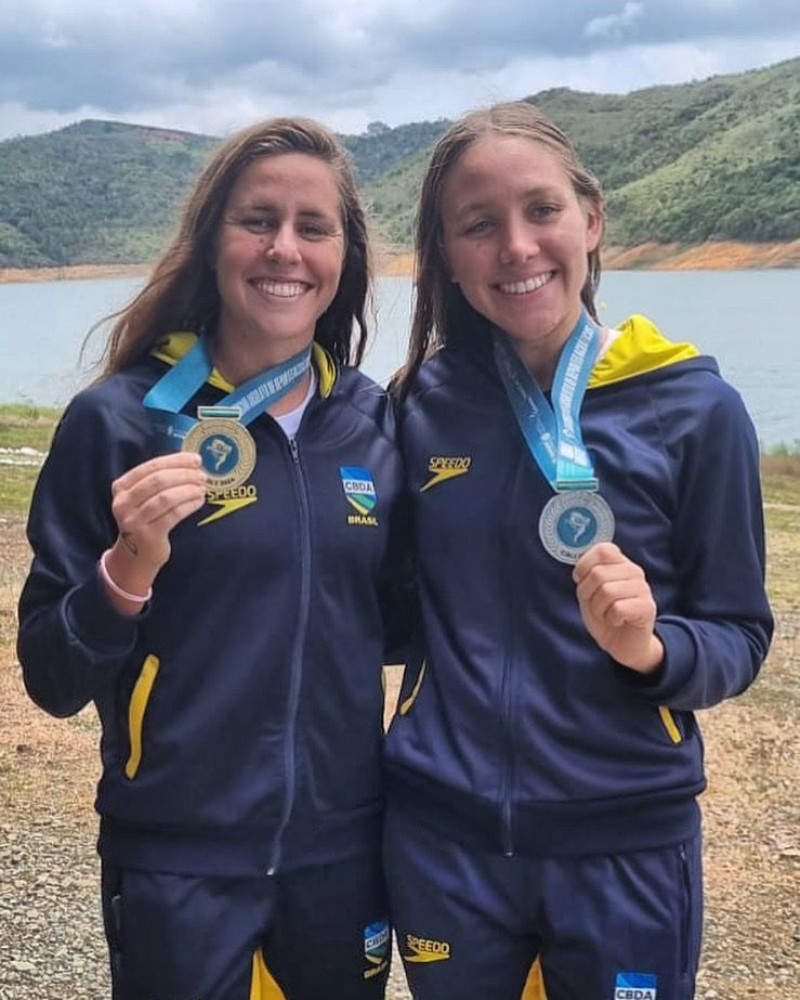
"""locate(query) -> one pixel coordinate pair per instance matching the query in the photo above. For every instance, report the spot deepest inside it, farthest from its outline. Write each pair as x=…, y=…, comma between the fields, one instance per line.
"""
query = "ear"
x=595, y=224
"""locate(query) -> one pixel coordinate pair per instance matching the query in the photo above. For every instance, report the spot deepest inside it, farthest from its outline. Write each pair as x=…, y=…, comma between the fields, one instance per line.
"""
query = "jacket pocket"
x=407, y=703
x=140, y=698
x=670, y=724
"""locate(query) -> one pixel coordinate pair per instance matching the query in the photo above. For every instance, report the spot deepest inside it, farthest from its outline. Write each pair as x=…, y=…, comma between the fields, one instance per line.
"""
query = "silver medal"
x=572, y=522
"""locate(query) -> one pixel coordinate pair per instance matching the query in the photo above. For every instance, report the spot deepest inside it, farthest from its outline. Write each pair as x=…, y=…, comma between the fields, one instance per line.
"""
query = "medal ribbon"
x=173, y=390
x=552, y=432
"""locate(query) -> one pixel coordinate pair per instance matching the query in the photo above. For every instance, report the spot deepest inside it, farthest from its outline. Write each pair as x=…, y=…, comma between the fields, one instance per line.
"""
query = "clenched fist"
x=618, y=608
x=147, y=502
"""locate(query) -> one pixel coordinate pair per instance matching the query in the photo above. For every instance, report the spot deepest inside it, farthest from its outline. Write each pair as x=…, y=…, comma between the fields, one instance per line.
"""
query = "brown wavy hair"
x=441, y=313
x=181, y=292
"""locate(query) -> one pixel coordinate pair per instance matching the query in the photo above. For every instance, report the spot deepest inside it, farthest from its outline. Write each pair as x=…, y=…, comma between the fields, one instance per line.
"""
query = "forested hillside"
x=718, y=159
x=95, y=192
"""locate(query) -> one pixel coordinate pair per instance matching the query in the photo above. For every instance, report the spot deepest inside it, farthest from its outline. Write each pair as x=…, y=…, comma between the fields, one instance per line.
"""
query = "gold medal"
x=225, y=447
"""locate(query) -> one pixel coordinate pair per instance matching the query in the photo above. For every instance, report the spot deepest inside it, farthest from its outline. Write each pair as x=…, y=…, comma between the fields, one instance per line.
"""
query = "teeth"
x=282, y=289
x=521, y=287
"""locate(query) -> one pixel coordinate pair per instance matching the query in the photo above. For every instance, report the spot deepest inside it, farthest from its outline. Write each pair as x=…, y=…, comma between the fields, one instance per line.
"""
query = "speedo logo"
x=425, y=950
x=228, y=502
x=446, y=467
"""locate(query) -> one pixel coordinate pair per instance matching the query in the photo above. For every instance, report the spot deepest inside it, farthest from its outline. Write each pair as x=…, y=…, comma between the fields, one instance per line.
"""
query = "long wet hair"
x=181, y=293
x=441, y=313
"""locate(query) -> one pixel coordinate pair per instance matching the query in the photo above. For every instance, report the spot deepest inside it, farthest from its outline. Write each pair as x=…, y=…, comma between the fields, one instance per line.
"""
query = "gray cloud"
x=97, y=53
x=58, y=56
x=616, y=26
x=478, y=34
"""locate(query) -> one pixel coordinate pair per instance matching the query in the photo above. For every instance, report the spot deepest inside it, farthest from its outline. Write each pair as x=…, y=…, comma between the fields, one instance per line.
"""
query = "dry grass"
x=48, y=770
x=45, y=763
x=783, y=557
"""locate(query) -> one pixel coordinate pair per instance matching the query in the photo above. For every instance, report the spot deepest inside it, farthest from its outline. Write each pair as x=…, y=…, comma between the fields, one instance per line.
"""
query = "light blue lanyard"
x=552, y=432
x=171, y=393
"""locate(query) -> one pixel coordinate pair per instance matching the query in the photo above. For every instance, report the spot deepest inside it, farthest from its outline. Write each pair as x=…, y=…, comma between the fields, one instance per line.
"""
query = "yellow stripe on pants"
x=534, y=986
x=262, y=985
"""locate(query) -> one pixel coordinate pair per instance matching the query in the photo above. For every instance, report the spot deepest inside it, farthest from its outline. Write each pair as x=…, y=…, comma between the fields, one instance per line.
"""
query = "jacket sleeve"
x=71, y=640
x=719, y=635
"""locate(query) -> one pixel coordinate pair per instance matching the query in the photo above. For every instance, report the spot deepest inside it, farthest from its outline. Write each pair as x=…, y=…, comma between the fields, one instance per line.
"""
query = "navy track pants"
x=470, y=925
x=312, y=934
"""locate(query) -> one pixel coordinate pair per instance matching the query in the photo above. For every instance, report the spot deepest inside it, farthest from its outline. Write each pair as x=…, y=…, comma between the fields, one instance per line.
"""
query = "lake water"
x=749, y=320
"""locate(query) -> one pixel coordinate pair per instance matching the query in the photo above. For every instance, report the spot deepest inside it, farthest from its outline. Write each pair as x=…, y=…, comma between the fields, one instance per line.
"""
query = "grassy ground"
x=22, y=427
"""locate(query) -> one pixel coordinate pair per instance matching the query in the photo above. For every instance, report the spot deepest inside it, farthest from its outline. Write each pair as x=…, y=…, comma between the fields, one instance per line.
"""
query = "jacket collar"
x=175, y=345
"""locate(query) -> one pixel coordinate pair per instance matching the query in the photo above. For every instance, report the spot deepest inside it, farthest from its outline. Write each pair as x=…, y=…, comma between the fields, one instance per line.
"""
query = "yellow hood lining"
x=640, y=348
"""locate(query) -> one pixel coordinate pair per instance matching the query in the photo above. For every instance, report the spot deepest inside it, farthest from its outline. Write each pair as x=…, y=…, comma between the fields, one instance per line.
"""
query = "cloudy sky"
x=214, y=65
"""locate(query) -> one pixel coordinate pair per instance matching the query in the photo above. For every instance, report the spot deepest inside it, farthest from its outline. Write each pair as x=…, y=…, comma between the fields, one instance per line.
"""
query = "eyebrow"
x=258, y=206
x=334, y=220
x=469, y=207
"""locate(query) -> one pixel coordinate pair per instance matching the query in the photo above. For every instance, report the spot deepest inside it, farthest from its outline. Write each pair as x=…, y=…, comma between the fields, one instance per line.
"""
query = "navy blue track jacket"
x=517, y=733
x=242, y=712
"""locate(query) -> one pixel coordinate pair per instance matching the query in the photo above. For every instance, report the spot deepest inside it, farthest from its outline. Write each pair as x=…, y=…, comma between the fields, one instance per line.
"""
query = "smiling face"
x=278, y=255
x=516, y=236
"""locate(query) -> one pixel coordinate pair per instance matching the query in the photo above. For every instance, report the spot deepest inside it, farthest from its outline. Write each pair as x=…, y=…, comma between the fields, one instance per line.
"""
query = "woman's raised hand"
x=147, y=502
x=618, y=608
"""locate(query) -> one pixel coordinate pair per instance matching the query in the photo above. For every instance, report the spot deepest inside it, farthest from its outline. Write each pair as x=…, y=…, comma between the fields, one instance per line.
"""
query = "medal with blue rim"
x=225, y=446
x=577, y=517
x=219, y=434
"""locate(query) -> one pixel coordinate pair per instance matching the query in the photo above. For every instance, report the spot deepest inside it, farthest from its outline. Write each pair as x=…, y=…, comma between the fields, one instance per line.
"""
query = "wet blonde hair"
x=441, y=314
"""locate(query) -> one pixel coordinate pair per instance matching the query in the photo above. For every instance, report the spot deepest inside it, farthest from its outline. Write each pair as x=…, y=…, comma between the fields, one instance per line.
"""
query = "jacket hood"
x=640, y=349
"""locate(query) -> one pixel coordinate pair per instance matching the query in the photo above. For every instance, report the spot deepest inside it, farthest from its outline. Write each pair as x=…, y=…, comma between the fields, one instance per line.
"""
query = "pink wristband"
x=115, y=589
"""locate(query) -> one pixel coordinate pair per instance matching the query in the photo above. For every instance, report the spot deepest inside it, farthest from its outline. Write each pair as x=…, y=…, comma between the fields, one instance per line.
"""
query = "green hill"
x=711, y=160
x=95, y=192
x=717, y=159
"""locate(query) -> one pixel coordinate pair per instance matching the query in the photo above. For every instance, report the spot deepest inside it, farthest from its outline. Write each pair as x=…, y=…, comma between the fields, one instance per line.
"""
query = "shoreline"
x=77, y=272
x=721, y=256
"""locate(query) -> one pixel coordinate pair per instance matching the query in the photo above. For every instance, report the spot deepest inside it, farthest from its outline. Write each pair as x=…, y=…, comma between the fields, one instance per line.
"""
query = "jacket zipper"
x=508, y=779
x=296, y=669
x=508, y=712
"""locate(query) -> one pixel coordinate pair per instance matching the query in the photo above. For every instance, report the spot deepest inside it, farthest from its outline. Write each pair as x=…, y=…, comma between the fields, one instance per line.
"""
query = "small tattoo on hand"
x=129, y=543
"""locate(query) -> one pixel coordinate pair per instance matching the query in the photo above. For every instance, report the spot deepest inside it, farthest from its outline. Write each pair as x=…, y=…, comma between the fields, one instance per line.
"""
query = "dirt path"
x=51, y=945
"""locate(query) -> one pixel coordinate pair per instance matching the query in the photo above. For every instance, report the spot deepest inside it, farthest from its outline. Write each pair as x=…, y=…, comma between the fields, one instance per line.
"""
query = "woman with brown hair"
x=591, y=554
x=211, y=536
